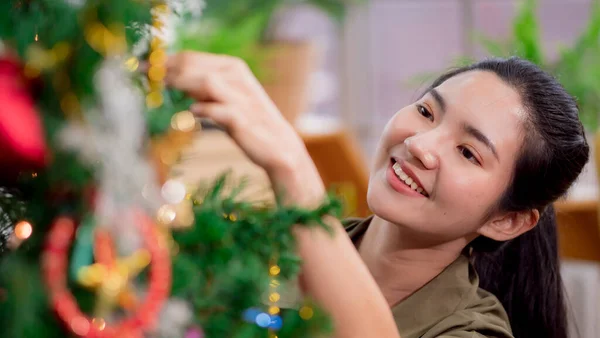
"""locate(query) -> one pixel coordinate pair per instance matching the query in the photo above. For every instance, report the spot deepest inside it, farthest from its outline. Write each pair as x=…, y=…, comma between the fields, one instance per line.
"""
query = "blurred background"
x=340, y=69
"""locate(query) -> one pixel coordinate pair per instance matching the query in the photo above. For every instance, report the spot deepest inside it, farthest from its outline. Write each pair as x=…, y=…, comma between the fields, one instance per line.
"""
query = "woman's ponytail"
x=524, y=274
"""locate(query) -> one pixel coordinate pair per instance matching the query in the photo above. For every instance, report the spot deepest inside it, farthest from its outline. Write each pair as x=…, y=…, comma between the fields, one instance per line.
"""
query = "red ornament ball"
x=22, y=138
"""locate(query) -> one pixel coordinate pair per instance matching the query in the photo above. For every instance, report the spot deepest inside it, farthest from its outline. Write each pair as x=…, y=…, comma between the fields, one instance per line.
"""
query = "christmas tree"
x=96, y=241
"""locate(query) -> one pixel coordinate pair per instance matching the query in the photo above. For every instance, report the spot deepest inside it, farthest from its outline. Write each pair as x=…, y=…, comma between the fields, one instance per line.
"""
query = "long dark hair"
x=524, y=273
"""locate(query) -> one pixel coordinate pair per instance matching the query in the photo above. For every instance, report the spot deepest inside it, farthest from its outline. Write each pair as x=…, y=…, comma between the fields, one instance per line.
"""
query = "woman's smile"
x=404, y=181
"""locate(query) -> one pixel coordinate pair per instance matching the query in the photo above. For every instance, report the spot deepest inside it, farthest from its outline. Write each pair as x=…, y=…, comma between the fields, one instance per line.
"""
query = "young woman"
x=463, y=241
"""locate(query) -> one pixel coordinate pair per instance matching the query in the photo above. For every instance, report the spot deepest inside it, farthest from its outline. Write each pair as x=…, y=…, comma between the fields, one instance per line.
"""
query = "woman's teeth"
x=407, y=180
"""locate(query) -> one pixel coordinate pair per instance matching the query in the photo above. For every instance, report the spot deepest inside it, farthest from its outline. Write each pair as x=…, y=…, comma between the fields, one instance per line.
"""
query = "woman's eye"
x=426, y=113
x=466, y=153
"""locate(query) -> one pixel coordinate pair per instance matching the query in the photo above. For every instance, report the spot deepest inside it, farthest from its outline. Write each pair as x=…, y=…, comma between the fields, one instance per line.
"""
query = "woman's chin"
x=405, y=211
x=385, y=205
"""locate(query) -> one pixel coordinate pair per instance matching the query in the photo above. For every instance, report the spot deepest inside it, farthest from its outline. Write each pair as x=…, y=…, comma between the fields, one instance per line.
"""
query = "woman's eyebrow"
x=477, y=134
x=438, y=98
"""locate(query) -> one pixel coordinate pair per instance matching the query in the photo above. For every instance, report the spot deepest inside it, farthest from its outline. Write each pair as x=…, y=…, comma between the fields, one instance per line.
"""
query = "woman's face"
x=444, y=161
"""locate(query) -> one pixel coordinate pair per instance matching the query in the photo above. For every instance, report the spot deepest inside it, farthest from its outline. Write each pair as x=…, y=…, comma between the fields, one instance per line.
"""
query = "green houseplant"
x=235, y=11
x=242, y=28
x=577, y=67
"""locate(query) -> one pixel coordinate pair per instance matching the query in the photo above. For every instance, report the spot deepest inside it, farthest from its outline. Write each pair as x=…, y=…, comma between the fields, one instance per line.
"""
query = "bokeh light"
x=23, y=230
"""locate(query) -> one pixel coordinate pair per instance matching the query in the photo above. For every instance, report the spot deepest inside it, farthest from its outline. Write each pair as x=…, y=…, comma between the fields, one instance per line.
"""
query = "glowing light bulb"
x=263, y=320
x=274, y=270
x=183, y=121
x=306, y=313
x=154, y=99
x=158, y=57
x=23, y=230
x=166, y=214
x=132, y=64
x=173, y=191
x=157, y=73
x=273, y=310
x=99, y=323
x=274, y=297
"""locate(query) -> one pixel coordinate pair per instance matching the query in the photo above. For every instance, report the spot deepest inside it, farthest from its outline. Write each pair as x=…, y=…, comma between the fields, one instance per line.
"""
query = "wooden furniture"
x=578, y=230
x=342, y=167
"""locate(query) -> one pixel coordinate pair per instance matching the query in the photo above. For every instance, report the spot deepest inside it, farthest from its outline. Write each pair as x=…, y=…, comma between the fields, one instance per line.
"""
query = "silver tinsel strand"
x=11, y=209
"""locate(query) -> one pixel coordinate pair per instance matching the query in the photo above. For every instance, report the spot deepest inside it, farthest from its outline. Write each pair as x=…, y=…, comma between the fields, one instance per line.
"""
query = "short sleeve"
x=469, y=324
x=469, y=334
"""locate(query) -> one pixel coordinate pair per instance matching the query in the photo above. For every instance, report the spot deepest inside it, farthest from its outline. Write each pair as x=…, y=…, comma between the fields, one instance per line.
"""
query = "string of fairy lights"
x=275, y=320
x=158, y=55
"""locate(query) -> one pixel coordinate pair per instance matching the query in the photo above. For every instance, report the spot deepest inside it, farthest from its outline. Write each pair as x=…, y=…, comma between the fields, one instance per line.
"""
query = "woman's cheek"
x=462, y=185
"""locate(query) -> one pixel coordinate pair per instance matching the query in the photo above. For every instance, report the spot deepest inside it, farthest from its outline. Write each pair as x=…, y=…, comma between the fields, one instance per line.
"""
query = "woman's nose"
x=423, y=150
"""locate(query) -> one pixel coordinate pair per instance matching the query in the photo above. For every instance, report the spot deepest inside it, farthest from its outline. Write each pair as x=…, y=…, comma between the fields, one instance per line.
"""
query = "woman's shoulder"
x=453, y=305
x=484, y=316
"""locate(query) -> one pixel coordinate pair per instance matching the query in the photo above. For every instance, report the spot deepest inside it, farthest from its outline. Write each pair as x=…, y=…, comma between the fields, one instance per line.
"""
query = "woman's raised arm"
x=333, y=273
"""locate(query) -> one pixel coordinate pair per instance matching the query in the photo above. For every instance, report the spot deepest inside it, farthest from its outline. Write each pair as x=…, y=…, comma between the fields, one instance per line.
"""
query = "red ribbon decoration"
x=54, y=268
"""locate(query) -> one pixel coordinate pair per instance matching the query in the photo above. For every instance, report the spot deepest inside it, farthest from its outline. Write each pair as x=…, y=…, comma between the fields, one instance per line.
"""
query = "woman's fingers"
x=202, y=60
x=215, y=81
x=206, y=85
x=193, y=65
x=221, y=114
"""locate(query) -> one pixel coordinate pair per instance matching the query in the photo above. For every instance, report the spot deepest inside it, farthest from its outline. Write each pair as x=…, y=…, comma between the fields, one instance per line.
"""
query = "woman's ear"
x=510, y=225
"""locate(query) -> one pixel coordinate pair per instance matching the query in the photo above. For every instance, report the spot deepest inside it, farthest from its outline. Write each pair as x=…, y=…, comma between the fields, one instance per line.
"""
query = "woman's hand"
x=228, y=93
x=333, y=272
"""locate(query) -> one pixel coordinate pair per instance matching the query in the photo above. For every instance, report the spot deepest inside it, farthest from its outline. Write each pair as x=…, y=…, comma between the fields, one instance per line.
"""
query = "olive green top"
x=450, y=305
